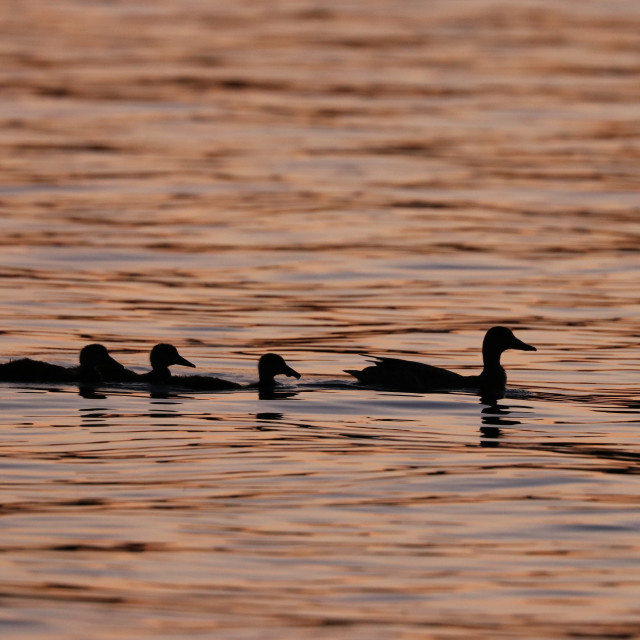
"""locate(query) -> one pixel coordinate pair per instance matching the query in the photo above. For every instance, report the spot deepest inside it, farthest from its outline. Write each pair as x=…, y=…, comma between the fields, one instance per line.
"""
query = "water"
x=323, y=181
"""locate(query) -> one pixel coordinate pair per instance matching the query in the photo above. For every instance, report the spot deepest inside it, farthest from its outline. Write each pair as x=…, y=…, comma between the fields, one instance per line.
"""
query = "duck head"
x=271, y=365
x=95, y=360
x=499, y=339
x=164, y=355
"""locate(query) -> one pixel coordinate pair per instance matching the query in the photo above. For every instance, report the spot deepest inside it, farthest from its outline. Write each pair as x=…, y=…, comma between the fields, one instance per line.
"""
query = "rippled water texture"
x=322, y=180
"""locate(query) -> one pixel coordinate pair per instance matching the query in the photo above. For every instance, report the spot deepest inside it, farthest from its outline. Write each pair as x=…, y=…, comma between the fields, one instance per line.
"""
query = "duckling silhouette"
x=165, y=355
x=162, y=357
x=270, y=365
x=97, y=365
x=407, y=375
x=94, y=361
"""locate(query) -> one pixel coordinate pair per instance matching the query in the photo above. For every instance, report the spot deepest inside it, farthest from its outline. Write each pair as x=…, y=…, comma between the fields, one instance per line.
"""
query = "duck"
x=96, y=364
x=165, y=355
x=407, y=375
x=270, y=365
x=162, y=357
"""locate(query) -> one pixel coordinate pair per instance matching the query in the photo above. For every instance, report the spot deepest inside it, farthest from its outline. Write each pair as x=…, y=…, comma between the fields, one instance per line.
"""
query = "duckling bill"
x=406, y=375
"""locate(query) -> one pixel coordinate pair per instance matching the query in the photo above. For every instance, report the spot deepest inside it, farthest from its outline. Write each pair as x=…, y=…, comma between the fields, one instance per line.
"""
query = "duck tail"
x=354, y=372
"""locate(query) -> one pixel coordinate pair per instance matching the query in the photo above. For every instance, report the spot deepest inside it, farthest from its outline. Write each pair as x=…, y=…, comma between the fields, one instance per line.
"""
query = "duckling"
x=406, y=375
x=97, y=365
x=163, y=356
x=94, y=361
x=269, y=366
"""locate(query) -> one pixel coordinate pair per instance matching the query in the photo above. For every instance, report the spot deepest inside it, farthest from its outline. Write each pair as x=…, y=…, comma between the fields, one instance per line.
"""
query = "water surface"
x=323, y=181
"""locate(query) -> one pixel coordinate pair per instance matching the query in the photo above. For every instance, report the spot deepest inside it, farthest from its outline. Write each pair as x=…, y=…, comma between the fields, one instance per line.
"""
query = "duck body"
x=204, y=383
x=407, y=375
x=28, y=370
x=110, y=372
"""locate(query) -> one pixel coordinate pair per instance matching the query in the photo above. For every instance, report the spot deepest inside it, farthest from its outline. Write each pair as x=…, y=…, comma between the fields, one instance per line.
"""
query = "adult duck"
x=96, y=364
x=407, y=375
x=165, y=355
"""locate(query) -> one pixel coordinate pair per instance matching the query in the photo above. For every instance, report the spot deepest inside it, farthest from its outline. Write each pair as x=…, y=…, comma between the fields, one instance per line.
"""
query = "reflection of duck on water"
x=407, y=375
x=165, y=355
x=493, y=418
x=494, y=415
x=96, y=365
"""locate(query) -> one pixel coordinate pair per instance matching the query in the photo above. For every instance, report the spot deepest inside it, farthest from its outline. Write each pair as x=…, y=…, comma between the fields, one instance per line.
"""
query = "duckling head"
x=164, y=355
x=94, y=358
x=271, y=365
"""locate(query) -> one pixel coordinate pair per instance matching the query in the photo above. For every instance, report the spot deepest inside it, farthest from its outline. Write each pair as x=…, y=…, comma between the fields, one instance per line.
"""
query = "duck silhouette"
x=162, y=357
x=165, y=355
x=271, y=365
x=96, y=365
x=407, y=375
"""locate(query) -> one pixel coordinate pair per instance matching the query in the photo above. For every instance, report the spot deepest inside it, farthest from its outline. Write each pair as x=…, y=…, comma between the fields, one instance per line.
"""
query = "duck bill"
x=184, y=362
x=522, y=346
x=291, y=373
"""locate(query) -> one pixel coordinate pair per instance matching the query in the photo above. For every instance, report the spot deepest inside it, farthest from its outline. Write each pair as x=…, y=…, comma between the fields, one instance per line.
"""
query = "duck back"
x=408, y=375
x=28, y=370
x=203, y=383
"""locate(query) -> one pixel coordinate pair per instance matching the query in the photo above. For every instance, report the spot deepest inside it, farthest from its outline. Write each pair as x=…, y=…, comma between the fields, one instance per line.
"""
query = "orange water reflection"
x=321, y=181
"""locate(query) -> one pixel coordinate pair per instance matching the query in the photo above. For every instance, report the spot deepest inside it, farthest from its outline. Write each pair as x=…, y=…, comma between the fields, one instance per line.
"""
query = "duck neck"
x=265, y=379
x=492, y=373
x=160, y=373
x=89, y=373
x=491, y=358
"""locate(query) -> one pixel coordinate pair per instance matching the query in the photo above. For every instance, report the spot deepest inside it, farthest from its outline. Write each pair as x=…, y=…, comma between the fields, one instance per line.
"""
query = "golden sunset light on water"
x=400, y=202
